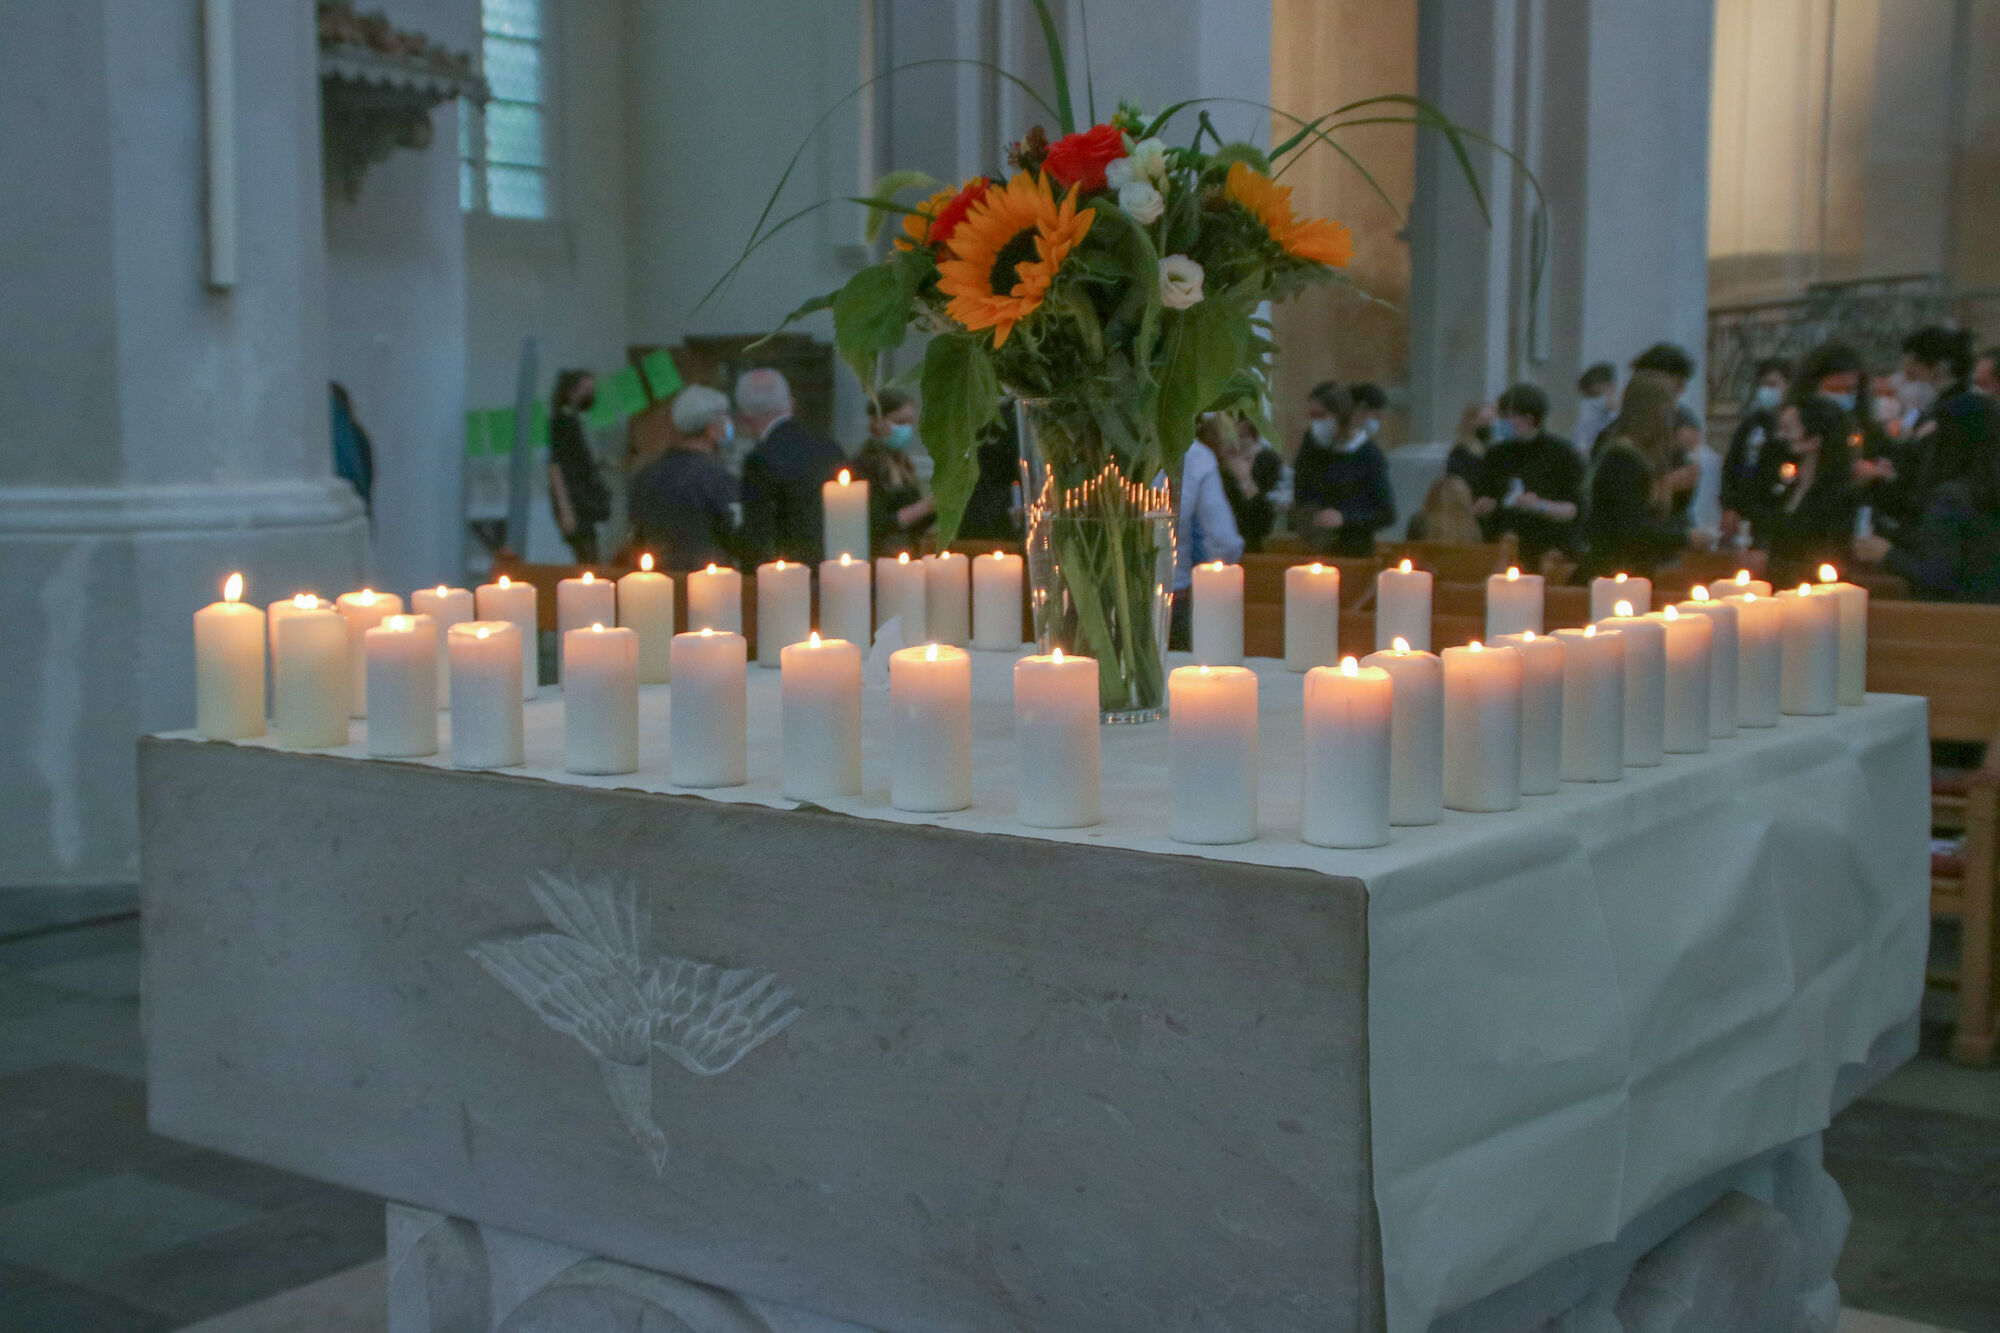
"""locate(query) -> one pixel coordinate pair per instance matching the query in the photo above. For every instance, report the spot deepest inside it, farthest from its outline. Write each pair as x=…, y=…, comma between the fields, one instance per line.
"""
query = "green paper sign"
x=663, y=377
x=603, y=413
x=626, y=390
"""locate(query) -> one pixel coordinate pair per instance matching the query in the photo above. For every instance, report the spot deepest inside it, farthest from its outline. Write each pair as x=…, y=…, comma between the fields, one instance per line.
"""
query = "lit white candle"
x=820, y=719
x=275, y=612
x=715, y=600
x=362, y=611
x=996, y=602
x=1403, y=607
x=1541, y=709
x=1853, y=601
x=446, y=607
x=310, y=676
x=1212, y=754
x=601, y=700
x=784, y=608
x=1514, y=603
x=930, y=740
x=1056, y=739
x=1760, y=635
x=845, y=503
x=1743, y=583
x=1689, y=643
x=1722, y=659
x=229, y=666
x=1312, y=616
x=1482, y=728
x=402, y=687
x=1645, y=685
x=1349, y=715
x=1593, y=726
x=948, y=599
x=580, y=603
x=706, y=719
x=504, y=599
x=486, y=693
x=646, y=607
x=1606, y=594
x=1809, y=660
x=844, y=609
x=1416, y=736
x=1217, y=637
x=899, y=594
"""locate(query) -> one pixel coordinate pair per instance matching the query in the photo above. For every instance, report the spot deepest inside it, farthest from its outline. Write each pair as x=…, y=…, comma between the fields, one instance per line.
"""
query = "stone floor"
x=105, y=1228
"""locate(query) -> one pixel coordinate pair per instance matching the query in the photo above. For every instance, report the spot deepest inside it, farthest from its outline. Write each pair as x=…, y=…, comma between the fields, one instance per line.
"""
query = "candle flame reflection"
x=232, y=588
x=1623, y=609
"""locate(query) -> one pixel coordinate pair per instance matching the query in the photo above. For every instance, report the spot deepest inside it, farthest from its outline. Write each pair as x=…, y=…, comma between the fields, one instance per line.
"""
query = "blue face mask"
x=1845, y=401
x=728, y=429
x=1769, y=396
x=902, y=435
x=1503, y=429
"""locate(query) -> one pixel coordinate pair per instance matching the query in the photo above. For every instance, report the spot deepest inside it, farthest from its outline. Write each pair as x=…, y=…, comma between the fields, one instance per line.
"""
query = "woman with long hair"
x=1813, y=516
x=898, y=510
x=1633, y=480
x=576, y=492
x=1447, y=514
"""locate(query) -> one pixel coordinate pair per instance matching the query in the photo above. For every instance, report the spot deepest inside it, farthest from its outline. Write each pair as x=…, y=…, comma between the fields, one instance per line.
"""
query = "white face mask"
x=1887, y=409
x=1768, y=397
x=1916, y=395
x=1321, y=430
x=1371, y=426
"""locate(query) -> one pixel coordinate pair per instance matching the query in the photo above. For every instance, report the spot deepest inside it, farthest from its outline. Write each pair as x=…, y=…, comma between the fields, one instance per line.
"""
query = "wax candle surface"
x=715, y=600
x=486, y=693
x=947, y=599
x=1312, y=616
x=996, y=602
x=1541, y=709
x=1482, y=728
x=1810, y=656
x=362, y=611
x=1743, y=583
x=1514, y=603
x=1056, y=738
x=1606, y=593
x=1722, y=660
x=1416, y=736
x=1403, y=607
x=930, y=741
x=1760, y=634
x=784, y=608
x=446, y=607
x=845, y=610
x=646, y=607
x=311, y=678
x=706, y=721
x=1593, y=726
x=844, y=500
x=1212, y=754
x=1852, y=599
x=1689, y=642
x=229, y=667
x=402, y=687
x=1217, y=637
x=504, y=599
x=1645, y=686
x=601, y=700
x=580, y=603
x=820, y=719
x=1349, y=715
x=899, y=594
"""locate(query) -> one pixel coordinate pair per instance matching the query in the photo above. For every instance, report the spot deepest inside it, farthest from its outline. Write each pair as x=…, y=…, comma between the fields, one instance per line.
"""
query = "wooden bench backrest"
x=1961, y=681
x=1452, y=561
x=1935, y=622
x=1264, y=576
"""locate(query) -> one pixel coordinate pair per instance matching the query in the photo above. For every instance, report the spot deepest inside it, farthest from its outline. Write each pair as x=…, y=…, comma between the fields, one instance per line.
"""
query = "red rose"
x=1080, y=159
x=954, y=212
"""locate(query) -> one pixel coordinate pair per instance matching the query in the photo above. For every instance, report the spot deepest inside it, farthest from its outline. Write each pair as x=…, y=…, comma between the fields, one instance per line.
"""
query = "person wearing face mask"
x=1469, y=443
x=1957, y=428
x=1532, y=484
x=576, y=488
x=1750, y=468
x=1340, y=479
x=684, y=502
x=1812, y=520
x=899, y=512
x=1597, y=390
x=1370, y=402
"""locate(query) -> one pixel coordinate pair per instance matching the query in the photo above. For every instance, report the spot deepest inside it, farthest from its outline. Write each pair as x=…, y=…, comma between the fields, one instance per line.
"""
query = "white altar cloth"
x=1574, y=1009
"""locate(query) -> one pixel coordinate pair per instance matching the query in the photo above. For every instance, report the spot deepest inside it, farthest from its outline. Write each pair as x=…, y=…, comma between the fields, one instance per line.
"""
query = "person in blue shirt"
x=353, y=453
x=1206, y=527
x=1340, y=480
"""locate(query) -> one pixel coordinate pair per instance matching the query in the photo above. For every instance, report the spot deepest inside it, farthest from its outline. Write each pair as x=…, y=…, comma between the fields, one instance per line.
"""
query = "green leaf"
x=961, y=392
x=1058, y=67
x=871, y=314
x=885, y=192
x=1206, y=347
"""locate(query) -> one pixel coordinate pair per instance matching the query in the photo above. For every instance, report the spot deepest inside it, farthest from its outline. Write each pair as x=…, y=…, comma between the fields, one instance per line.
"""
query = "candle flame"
x=1828, y=574
x=589, y=577
x=1670, y=614
x=903, y=557
x=1749, y=596
x=1405, y=566
x=367, y=597
x=1618, y=578
x=845, y=559
x=506, y=582
x=711, y=567
x=999, y=555
x=1216, y=565
x=1742, y=578
x=707, y=631
x=596, y=627
x=646, y=563
x=1699, y=592
x=1787, y=471
x=1476, y=646
x=1349, y=667
x=1805, y=590
x=443, y=591
x=1590, y=631
x=777, y=564
x=481, y=632
x=846, y=478
x=813, y=638
x=398, y=624
x=1622, y=609
x=1055, y=655
x=232, y=588
x=1527, y=636
x=305, y=601
x=930, y=653
x=1318, y=568
x=1204, y=669
x=1400, y=644
x=1513, y=573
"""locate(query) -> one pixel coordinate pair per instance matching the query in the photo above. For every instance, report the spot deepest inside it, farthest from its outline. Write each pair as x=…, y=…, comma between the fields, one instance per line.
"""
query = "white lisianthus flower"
x=1141, y=201
x=1119, y=173
x=1180, y=282
x=1149, y=160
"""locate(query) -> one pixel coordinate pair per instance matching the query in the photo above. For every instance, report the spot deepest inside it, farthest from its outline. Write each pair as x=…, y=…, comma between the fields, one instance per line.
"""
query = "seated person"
x=1340, y=480
x=1634, y=479
x=899, y=512
x=1370, y=402
x=1953, y=553
x=1205, y=529
x=1446, y=515
x=1750, y=468
x=1531, y=484
x=1597, y=387
x=1251, y=472
x=1814, y=514
x=1469, y=442
x=684, y=503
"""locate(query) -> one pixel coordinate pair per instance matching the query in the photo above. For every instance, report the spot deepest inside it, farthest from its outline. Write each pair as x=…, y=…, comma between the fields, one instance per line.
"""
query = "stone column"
x=155, y=433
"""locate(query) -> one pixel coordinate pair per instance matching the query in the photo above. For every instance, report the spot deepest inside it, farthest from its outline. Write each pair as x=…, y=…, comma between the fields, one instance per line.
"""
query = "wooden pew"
x=1264, y=576
x=1454, y=561
x=1934, y=622
x=1563, y=608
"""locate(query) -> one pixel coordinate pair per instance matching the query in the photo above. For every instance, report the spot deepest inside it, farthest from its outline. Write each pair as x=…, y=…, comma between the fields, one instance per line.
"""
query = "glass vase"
x=1100, y=550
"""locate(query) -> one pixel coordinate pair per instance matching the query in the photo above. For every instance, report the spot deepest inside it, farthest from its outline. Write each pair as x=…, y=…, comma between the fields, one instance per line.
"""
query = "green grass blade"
x=1058, y=67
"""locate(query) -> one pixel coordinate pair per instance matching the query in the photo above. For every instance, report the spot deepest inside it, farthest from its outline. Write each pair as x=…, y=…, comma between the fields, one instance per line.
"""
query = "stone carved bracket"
x=377, y=88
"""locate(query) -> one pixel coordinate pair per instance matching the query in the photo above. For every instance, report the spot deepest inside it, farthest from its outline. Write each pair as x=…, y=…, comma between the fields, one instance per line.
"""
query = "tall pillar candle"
x=784, y=608
x=1312, y=616
x=229, y=666
x=1217, y=631
x=1212, y=754
x=1760, y=638
x=1514, y=603
x=310, y=677
x=1809, y=659
x=1482, y=728
x=715, y=600
x=646, y=607
x=930, y=736
x=819, y=719
x=844, y=602
x=601, y=700
x=446, y=607
x=1853, y=601
x=844, y=501
x=1722, y=659
x=1349, y=715
x=1416, y=736
x=948, y=599
x=1056, y=741
x=899, y=595
x=485, y=658
x=706, y=718
x=1689, y=645
x=1403, y=607
x=1743, y=583
x=1593, y=724
x=580, y=603
x=402, y=687
x=1541, y=709
x=996, y=602
x=504, y=599
x=1606, y=593
x=362, y=611
x=1645, y=685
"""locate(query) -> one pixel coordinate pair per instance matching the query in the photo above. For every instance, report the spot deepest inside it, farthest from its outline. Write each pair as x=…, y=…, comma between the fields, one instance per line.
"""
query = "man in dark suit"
x=782, y=474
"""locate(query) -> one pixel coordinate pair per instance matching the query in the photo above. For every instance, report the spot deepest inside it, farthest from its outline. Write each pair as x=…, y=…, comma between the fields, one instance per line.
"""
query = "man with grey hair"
x=783, y=473
x=681, y=501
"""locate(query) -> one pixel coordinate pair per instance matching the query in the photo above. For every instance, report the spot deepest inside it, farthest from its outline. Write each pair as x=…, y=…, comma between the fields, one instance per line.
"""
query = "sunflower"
x=1313, y=239
x=1003, y=256
x=917, y=225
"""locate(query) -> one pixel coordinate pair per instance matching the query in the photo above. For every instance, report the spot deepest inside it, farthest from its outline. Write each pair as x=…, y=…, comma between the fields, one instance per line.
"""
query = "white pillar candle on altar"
x=1403, y=608
x=899, y=594
x=930, y=740
x=485, y=658
x=996, y=602
x=1743, y=583
x=1541, y=709
x=845, y=503
x=310, y=676
x=715, y=600
x=1349, y=717
x=446, y=607
x=362, y=611
x=819, y=719
x=1514, y=603
x=1416, y=737
x=601, y=700
x=1605, y=594
x=1312, y=616
x=784, y=608
x=1212, y=754
x=402, y=687
x=1690, y=642
x=229, y=666
x=1593, y=723
x=1056, y=741
x=948, y=599
x=1853, y=602
x=1722, y=659
x=844, y=602
x=1217, y=630
x=1645, y=685
x=504, y=599
x=1760, y=636
x=646, y=607
x=706, y=719
x=580, y=603
x=1810, y=656
x=1482, y=728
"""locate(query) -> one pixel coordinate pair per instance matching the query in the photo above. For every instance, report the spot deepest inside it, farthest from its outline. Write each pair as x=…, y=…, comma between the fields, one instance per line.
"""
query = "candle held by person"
x=1416, y=736
x=229, y=666
x=707, y=722
x=1312, y=616
x=845, y=610
x=845, y=502
x=996, y=602
x=446, y=606
x=820, y=719
x=486, y=730
x=1593, y=725
x=601, y=700
x=1645, y=685
x=1344, y=794
x=1057, y=741
x=784, y=608
x=1403, y=607
x=402, y=687
x=505, y=599
x=1212, y=754
x=930, y=743
x=646, y=607
x=362, y=611
x=1217, y=629
x=1541, y=709
x=1514, y=603
x=310, y=676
